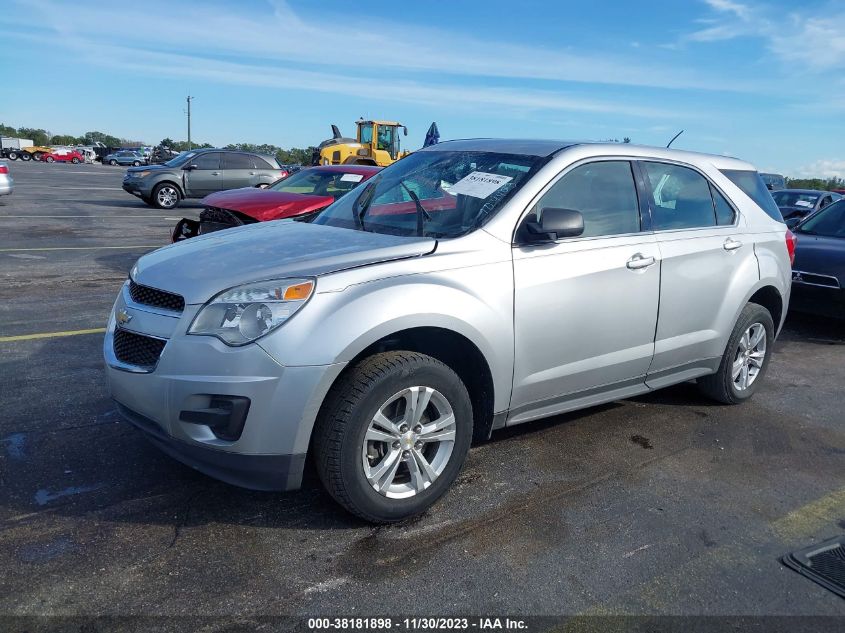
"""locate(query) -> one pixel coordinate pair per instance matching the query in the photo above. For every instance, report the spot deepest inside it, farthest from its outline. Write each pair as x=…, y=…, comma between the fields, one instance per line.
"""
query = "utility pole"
x=189, y=99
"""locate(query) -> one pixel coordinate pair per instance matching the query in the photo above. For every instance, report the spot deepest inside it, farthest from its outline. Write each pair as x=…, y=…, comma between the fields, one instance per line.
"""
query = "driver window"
x=603, y=192
x=367, y=134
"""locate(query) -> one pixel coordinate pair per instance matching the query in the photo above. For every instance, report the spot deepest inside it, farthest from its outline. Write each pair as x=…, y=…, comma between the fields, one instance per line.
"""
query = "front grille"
x=137, y=349
x=157, y=298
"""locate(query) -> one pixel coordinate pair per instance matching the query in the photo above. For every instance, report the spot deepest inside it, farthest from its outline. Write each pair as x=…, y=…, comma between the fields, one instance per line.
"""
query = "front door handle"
x=640, y=261
x=731, y=244
x=215, y=173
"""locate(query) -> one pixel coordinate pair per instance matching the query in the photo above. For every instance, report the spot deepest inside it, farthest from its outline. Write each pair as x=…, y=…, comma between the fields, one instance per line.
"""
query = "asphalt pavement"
x=661, y=505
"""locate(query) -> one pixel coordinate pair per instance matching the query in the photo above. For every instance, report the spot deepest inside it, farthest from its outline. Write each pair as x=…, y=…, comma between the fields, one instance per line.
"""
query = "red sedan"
x=71, y=156
x=300, y=196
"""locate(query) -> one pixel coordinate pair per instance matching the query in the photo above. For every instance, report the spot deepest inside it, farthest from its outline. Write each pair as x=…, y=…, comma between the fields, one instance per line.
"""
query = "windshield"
x=319, y=182
x=178, y=160
x=829, y=222
x=795, y=199
x=435, y=193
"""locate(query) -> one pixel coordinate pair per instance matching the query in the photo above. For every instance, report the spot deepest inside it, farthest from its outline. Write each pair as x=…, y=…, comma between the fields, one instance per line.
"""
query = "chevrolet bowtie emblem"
x=123, y=317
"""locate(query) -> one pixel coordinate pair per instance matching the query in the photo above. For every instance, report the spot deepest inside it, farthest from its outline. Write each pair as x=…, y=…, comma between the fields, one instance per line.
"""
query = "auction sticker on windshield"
x=351, y=178
x=479, y=184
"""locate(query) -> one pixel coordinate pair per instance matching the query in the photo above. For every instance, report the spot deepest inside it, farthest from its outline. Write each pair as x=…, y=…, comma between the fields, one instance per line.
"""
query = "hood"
x=264, y=204
x=129, y=170
x=201, y=267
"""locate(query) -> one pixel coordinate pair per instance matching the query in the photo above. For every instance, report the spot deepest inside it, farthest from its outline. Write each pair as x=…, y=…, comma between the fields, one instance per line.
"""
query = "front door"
x=585, y=308
x=205, y=177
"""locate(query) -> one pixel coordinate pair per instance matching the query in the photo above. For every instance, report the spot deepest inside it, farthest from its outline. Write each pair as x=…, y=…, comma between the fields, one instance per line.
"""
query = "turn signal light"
x=299, y=292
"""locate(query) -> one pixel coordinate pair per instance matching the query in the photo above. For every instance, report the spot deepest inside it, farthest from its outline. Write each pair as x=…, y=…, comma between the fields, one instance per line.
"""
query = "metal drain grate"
x=823, y=563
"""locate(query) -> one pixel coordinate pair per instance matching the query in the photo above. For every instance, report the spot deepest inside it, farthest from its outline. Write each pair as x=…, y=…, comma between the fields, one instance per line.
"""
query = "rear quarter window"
x=753, y=186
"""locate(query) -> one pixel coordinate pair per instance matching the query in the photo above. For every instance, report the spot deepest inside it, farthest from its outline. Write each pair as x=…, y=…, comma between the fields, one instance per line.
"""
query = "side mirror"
x=554, y=224
x=405, y=130
x=189, y=167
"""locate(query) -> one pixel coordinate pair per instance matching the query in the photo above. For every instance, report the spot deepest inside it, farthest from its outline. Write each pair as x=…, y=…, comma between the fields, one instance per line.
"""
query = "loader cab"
x=381, y=136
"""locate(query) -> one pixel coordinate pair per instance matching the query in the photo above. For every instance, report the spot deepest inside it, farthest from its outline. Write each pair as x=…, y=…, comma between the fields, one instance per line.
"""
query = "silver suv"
x=471, y=286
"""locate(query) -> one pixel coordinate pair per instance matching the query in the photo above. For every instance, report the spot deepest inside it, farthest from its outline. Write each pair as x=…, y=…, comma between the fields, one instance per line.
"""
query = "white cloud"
x=350, y=43
x=825, y=168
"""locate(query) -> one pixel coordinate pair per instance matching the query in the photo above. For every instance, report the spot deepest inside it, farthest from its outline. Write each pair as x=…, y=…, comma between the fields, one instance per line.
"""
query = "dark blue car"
x=818, y=274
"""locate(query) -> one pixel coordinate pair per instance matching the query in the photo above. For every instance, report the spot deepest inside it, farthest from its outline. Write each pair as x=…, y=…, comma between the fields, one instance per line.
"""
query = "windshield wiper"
x=358, y=210
x=422, y=214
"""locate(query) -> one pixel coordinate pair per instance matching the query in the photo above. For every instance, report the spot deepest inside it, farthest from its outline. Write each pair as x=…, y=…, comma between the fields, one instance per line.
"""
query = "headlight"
x=141, y=174
x=243, y=314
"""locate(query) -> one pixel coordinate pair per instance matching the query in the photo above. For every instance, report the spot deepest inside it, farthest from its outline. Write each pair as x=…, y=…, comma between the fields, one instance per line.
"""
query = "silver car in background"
x=471, y=286
x=7, y=183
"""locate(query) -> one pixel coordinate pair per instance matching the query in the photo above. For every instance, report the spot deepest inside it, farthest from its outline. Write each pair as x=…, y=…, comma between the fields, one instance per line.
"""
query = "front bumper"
x=191, y=371
x=135, y=187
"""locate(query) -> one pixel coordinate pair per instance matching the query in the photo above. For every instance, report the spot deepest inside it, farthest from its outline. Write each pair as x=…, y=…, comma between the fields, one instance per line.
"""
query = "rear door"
x=708, y=263
x=205, y=176
x=239, y=171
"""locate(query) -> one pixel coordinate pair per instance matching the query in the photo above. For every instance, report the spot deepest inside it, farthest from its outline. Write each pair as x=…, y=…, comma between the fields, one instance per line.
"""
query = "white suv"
x=470, y=286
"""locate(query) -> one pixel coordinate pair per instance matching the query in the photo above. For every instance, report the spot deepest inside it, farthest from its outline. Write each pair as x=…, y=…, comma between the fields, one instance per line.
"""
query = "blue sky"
x=760, y=80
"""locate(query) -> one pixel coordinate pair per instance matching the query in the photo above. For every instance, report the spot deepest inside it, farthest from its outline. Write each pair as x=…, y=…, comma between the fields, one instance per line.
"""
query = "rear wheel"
x=136, y=163
x=746, y=357
x=166, y=196
x=74, y=160
x=50, y=159
x=392, y=435
x=26, y=156
x=112, y=162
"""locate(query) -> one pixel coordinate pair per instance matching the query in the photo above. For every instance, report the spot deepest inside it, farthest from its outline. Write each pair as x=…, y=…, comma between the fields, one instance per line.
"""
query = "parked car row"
x=470, y=286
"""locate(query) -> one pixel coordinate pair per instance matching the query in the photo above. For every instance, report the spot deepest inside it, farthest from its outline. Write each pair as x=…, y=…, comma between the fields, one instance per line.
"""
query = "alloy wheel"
x=749, y=358
x=167, y=197
x=409, y=442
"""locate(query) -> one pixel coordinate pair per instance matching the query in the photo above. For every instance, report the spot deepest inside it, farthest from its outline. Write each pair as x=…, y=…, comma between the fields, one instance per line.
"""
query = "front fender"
x=475, y=302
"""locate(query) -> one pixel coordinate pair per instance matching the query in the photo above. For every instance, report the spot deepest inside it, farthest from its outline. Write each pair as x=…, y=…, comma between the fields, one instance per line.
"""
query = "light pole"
x=189, y=99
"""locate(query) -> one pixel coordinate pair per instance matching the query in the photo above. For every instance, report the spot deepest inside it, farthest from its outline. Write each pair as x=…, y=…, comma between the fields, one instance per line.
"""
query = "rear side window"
x=261, y=163
x=725, y=214
x=681, y=197
x=603, y=192
x=753, y=186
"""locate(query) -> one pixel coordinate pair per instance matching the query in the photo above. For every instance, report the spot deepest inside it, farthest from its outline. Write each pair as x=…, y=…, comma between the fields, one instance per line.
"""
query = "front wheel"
x=136, y=163
x=166, y=196
x=13, y=155
x=112, y=162
x=746, y=357
x=74, y=160
x=50, y=159
x=392, y=435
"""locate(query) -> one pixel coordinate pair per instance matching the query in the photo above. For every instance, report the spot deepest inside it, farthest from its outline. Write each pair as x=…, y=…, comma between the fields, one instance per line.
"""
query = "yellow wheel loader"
x=377, y=143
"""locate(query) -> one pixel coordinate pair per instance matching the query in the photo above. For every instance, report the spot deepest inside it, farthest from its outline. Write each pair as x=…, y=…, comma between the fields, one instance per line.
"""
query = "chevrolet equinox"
x=473, y=285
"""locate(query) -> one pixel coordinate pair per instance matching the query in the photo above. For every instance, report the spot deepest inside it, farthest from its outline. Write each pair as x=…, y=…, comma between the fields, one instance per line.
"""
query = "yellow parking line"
x=76, y=248
x=811, y=517
x=30, y=337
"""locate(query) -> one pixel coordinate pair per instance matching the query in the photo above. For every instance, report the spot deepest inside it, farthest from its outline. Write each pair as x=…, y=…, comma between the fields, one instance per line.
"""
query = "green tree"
x=101, y=137
x=66, y=139
x=37, y=135
x=167, y=142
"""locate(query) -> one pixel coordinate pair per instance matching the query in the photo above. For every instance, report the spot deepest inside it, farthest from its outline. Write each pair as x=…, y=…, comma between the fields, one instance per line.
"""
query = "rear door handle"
x=731, y=244
x=215, y=173
x=639, y=261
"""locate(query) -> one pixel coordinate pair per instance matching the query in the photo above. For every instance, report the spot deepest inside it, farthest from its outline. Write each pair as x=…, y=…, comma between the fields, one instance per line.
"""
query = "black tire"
x=136, y=163
x=112, y=162
x=50, y=159
x=13, y=155
x=720, y=386
x=346, y=414
x=25, y=156
x=74, y=160
x=158, y=200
